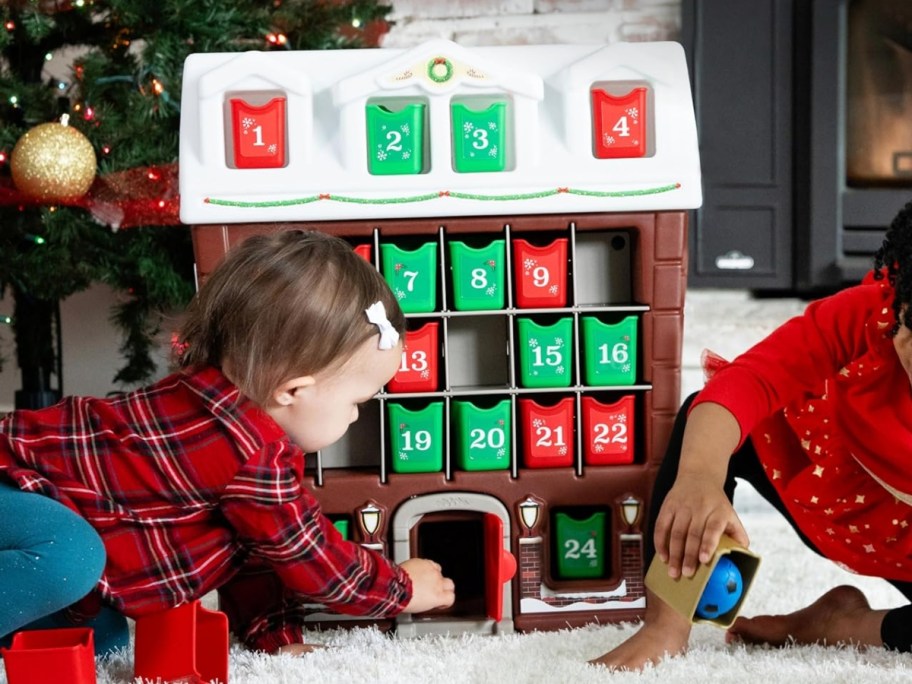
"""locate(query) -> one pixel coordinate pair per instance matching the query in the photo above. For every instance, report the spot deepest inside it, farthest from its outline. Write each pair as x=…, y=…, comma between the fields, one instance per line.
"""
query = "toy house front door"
x=469, y=535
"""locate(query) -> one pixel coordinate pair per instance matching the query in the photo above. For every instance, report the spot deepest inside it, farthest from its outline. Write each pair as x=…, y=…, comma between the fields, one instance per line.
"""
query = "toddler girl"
x=143, y=502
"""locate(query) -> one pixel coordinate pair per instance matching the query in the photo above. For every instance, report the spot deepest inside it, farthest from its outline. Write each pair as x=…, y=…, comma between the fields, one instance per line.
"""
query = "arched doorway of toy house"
x=469, y=535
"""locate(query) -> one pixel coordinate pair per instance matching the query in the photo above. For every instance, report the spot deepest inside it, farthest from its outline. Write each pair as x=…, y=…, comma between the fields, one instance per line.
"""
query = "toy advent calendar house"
x=527, y=206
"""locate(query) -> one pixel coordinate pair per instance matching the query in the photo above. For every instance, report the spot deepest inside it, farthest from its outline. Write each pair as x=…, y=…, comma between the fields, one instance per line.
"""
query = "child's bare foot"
x=841, y=616
x=648, y=646
x=664, y=633
x=299, y=649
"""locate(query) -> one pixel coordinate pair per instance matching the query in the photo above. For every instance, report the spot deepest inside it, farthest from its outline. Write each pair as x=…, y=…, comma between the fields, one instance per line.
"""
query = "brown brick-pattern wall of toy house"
x=632, y=566
x=530, y=570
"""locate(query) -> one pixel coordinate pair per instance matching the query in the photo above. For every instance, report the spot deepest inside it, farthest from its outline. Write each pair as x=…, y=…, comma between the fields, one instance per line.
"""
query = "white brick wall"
x=530, y=22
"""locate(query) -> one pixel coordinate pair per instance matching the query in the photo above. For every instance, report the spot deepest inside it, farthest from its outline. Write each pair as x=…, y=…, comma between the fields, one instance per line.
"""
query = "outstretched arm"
x=696, y=511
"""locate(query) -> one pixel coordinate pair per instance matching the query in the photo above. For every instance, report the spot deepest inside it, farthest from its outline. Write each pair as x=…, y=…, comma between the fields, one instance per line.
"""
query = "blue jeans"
x=50, y=558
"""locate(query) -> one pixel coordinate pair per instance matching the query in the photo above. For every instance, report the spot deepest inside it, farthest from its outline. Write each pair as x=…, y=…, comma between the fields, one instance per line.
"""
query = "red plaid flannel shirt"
x=187, y=483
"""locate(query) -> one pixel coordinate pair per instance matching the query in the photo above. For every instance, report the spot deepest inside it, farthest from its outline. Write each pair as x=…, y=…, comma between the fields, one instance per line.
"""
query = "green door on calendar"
x=479, y=137
x=580, y=545
x=395, y=139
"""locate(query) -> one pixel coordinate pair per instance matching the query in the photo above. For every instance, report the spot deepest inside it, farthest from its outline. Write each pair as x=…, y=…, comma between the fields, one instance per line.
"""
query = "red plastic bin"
x=364, y=251
x=547, y=433
x=541, y=274
x=50, y=656
x=188, y=644
x=418, y=370
x=608, y=431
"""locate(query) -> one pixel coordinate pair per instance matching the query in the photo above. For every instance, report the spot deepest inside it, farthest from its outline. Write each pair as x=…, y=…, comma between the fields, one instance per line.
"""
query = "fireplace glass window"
x=879, y=93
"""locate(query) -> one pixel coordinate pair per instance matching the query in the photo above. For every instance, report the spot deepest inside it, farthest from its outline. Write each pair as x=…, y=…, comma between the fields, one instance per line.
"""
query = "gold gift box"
x=683, y=594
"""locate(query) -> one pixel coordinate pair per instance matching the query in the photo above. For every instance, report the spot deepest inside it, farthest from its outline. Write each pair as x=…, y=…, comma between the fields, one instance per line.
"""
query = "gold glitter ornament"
x=53, y=162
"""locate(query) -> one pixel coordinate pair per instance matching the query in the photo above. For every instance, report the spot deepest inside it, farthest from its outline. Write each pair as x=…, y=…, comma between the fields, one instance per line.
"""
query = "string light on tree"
x=53, y=162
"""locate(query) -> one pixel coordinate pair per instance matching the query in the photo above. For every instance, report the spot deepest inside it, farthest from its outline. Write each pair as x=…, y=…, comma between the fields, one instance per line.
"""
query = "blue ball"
x=722, y=591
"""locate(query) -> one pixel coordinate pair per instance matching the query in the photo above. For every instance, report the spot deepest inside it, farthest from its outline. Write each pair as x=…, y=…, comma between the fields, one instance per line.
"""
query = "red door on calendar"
x=471, y=547
x=619, y=126
x=500, y=566
x=609, y=431
x=258, y=134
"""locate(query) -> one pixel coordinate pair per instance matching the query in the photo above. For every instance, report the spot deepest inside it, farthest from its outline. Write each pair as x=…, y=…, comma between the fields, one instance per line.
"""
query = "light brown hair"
x=283, y=305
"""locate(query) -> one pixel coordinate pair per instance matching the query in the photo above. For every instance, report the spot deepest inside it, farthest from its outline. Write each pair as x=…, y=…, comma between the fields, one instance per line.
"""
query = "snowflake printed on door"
x=559, y=369
x=626, y=367
x=403, y=455
x=398, y=291
x=482, y=277
x=501, y=424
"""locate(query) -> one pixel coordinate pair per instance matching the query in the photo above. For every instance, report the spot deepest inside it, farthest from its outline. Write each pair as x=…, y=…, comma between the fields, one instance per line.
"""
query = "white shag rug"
x=789, y=578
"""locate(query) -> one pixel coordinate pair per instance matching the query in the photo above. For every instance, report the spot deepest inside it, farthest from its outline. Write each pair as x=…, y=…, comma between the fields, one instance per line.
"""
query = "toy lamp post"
x=371, y=518
x=529, y=511
x=531, y=554
x=630, y=511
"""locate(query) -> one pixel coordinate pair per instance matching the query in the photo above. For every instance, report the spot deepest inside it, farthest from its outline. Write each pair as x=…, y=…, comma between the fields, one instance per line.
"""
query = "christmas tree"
x=88, y=163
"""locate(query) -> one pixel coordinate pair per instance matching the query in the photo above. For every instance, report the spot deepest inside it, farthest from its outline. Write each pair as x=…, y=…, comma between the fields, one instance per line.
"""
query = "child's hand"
x=430, y=589
x=696, y=511
x=691, y=522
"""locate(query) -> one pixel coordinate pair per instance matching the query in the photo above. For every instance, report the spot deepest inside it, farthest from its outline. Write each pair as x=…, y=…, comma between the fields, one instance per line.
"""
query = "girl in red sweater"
x=818, y=418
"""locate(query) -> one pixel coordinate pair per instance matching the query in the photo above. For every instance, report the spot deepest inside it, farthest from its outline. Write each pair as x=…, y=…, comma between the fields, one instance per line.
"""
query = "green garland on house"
x=122, y=91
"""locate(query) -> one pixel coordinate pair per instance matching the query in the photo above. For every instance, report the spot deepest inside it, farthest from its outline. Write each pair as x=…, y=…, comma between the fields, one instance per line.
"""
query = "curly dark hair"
x=893, y=261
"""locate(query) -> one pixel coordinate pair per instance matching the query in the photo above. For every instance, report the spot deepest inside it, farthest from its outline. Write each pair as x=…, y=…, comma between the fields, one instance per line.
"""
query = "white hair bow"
x=376, y=314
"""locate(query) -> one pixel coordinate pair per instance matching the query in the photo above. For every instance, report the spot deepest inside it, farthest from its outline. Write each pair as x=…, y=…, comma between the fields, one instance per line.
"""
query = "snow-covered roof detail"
x=249, y=69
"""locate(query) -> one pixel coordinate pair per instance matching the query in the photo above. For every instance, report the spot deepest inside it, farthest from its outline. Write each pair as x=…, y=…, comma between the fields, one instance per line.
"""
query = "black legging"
x=896, y=629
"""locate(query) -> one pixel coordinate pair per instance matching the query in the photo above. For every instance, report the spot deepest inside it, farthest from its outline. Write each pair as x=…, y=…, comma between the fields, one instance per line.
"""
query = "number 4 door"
x=619, y=126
